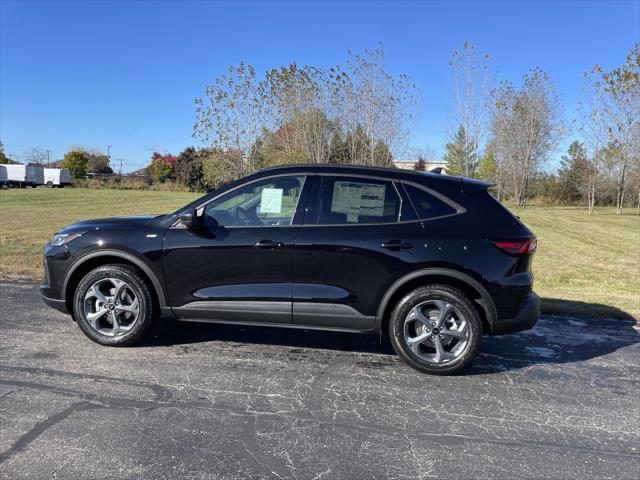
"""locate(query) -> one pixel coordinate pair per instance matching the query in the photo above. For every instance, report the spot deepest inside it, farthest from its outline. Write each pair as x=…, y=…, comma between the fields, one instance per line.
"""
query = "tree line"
x=361, y=114
x=501, y=132
x=357, y=114
x=507, y=134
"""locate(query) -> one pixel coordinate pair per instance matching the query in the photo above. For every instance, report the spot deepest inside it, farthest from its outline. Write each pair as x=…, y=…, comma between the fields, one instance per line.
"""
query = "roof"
x=388, y=172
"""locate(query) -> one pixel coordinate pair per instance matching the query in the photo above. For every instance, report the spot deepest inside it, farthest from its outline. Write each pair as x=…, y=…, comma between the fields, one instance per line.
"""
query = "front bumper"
x=56, y=303
x=527, y=316
x=56, y=263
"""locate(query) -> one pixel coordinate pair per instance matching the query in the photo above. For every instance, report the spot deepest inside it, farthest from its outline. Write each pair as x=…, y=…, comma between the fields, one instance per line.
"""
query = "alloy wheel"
x=436, y=332
x=111, y=307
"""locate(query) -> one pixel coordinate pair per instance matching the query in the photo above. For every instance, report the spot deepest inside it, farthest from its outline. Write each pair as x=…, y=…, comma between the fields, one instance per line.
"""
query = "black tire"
x=452, y=296
x=148, y=312
x=49, y=184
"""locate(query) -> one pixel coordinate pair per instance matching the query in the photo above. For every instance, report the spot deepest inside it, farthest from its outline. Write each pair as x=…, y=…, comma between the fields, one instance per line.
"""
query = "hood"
x=111, y=222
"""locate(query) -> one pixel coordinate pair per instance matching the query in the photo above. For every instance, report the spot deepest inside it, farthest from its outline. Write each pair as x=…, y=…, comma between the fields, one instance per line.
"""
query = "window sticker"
x=372, y=204
x=271, y=200
x=358, y=199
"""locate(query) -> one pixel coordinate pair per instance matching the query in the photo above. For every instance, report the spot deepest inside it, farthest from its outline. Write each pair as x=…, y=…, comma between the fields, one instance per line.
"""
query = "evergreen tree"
x=487, y=167
x=339, y=149
x=460, y=155
x=382, y=155
x=421, y=164
x=571, y=172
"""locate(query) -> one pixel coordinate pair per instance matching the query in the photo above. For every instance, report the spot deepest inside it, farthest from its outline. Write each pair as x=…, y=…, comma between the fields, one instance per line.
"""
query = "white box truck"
x=56, y=177
x=24, y=175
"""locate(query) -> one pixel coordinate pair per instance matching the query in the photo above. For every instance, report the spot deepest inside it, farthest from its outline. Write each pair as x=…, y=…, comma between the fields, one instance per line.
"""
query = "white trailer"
x=16, y=174
x=3, y=176
x=24, y=175
x=35, y=175
x=56, y=177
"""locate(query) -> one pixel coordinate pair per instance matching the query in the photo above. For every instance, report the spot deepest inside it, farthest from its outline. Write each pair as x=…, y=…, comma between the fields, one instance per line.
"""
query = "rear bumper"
x=526, y=318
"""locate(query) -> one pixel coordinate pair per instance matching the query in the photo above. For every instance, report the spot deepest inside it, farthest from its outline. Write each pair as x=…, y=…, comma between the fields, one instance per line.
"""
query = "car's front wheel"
x=435, y=329
x=114, y=306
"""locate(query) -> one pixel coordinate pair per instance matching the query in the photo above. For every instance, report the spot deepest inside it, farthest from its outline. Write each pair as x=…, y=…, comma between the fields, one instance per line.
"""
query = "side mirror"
x=189, y=220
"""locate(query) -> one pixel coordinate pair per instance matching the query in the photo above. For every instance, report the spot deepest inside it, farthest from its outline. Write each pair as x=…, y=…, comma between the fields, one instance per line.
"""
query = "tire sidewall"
x=421, y=295
x=140, y=289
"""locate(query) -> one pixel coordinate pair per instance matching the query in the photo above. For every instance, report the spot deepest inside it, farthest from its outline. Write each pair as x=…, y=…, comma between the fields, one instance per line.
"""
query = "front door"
x=238, y=265
x=360, y=236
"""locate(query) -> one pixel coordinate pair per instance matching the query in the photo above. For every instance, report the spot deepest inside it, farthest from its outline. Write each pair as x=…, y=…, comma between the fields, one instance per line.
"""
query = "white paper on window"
x=271, y=200
x=358, y=199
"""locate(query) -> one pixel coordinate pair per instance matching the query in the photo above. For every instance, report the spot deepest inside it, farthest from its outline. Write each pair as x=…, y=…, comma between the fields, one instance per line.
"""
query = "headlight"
x=63, y=238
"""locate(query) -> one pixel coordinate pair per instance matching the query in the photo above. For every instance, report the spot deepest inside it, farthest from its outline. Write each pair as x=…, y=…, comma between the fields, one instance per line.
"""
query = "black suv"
x=433, y=260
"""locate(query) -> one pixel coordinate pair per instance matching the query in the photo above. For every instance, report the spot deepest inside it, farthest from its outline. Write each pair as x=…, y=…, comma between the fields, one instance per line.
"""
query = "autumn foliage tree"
x=526, y=124
x=358, y=114
x=76, y=162
x=161, y=166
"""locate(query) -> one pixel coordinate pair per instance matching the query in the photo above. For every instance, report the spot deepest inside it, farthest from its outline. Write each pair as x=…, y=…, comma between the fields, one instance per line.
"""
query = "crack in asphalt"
x=248, y=442
x=556, y=401
x=25, y=440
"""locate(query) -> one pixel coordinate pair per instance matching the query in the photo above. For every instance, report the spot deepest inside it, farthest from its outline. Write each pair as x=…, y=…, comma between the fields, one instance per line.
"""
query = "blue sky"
x=126, y=74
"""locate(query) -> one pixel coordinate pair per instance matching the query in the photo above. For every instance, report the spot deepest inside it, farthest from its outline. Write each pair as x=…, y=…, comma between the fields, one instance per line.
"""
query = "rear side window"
x=345, y=200
x=427, y=205
x=492, y=205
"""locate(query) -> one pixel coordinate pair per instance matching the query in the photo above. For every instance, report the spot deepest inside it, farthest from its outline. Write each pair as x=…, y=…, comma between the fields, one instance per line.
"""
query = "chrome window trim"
x=459, y=209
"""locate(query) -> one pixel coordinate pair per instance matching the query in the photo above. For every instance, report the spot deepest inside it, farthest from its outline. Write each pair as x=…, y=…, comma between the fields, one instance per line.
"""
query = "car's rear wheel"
x=435, y=329
x=113, y=305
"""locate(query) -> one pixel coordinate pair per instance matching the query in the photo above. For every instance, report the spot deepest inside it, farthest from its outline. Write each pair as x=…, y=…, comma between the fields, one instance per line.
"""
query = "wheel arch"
x=93, y=260
x=464, y=282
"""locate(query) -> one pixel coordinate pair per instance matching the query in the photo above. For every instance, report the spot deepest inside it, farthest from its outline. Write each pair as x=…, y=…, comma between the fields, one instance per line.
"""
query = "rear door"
x=360, y=235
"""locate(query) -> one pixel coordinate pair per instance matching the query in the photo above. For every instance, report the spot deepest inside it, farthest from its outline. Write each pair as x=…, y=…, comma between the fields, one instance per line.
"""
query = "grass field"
x=585, y=264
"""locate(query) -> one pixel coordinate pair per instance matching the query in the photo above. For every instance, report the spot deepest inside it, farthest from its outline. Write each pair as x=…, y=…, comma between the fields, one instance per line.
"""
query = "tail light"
x=521, y=246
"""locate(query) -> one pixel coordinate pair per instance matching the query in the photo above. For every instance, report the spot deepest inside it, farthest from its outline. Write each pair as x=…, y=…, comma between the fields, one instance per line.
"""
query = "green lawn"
x=584, y=264
x=593, y=259
x=29, y=217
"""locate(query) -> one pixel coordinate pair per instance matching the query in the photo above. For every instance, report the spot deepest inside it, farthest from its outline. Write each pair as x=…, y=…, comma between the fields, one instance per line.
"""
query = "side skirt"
x=295, y=326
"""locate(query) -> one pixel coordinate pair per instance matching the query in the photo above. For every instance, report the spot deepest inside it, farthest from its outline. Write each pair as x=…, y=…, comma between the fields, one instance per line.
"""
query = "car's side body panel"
x=319, y=276
x=208, y=273
x=346, y=269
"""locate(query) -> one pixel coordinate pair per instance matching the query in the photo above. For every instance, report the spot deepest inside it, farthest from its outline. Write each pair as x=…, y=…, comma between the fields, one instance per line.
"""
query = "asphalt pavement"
x=209, y=401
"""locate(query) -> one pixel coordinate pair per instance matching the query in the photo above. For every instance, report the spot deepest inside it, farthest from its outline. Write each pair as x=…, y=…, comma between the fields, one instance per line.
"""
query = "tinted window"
x=268, y=202
x=427, y=205
x=345, y=200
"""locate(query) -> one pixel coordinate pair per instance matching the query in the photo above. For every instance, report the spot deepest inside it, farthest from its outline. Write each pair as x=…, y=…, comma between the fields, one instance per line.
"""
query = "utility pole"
x=109, y=159
x=48, y=160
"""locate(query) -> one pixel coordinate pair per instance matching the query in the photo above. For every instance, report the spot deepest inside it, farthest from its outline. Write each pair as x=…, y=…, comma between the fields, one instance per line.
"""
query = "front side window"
x=270, y=202
x=345, y=200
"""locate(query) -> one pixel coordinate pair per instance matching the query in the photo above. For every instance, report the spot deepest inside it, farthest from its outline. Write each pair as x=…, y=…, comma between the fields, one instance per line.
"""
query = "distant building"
x=435, y=166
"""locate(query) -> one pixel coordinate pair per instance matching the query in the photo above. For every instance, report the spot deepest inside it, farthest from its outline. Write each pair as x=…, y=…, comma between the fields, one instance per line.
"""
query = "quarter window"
x=427, y=205
x=345, y=200
x=269, y=202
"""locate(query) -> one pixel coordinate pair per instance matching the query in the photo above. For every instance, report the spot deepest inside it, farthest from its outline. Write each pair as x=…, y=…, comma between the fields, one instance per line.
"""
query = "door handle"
x=396, y=245
x=268, y=244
